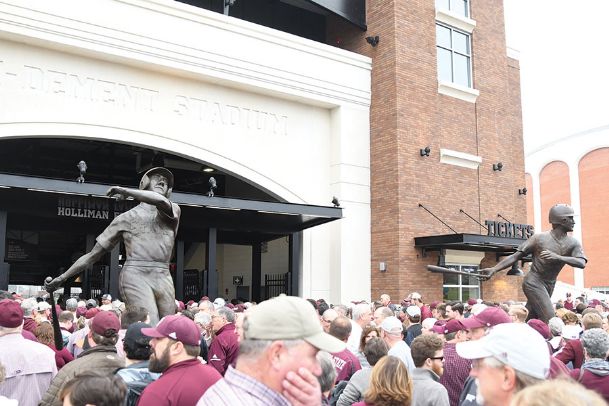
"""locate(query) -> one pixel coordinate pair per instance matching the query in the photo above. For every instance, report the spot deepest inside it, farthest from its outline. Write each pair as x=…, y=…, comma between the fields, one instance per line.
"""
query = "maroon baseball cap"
x=541, y=327
x=89, y=314
x=595, y=302
x=11, y=315
x=176, y=327
x=105, y=323
x=491, y=316
x=434, y=304
x=451, y=327
x=471, y=301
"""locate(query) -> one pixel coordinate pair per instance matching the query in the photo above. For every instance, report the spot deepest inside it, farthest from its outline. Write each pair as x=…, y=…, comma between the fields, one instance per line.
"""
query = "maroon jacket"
x=29, y=324
x=572, y=351
x=181, y=384
x=224, y=349
x=425, y=312
x=61, y=357
x=596, y=380
x=345, y=363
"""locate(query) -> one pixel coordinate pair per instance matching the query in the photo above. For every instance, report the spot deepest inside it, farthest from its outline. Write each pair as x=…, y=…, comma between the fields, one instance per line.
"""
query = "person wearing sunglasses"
x=428, y=355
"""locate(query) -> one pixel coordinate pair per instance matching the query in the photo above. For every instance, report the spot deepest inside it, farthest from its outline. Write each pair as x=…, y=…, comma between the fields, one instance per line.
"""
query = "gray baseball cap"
x=289, y=318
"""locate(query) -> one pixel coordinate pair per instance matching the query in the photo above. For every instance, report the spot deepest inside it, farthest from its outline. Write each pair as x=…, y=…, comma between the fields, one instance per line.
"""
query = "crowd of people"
x=292, y=351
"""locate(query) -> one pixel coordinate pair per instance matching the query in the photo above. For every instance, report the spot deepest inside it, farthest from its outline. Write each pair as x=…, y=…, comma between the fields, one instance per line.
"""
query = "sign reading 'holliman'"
x=89, y=208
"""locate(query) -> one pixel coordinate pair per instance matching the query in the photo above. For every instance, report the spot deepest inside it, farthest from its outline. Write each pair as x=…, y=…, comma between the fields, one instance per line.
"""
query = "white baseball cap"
x=219, y=302
x=413, y=311
x=392, y=325
x=514, y=344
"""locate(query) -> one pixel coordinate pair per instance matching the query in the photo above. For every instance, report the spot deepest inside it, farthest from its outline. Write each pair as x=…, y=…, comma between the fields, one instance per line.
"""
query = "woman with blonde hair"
x=390, y=384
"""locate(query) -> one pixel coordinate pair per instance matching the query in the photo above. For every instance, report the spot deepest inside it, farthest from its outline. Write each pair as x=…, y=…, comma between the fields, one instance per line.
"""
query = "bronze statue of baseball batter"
x=148, y=232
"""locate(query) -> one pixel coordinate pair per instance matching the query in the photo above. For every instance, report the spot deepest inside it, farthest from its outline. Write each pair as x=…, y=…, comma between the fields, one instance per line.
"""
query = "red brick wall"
x=408, y=113
x=554, y=189
x=594, y=195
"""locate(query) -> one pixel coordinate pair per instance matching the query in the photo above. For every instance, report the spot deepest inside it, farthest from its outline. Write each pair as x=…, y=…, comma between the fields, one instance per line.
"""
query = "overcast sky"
x=564, y=65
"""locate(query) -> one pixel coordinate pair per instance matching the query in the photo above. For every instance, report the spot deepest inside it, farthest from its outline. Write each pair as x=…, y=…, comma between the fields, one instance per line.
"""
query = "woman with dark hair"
x=44, y=334
x=368, y=333
x=390, y=384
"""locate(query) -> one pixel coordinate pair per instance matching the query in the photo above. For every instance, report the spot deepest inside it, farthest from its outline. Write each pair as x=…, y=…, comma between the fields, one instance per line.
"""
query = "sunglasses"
x=440, y=358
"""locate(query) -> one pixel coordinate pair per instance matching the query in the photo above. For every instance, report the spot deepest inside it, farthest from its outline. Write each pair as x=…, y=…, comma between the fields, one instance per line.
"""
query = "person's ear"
x=508, y=384
x=274, y=354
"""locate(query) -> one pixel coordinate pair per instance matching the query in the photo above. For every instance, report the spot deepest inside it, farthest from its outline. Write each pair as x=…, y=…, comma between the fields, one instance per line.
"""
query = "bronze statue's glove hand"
x=486, y=273
x=52, y=285
x=116, y=191
x=549, y=255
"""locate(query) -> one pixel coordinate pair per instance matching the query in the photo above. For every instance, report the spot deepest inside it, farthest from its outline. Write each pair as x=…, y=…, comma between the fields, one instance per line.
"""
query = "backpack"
x=336, y=392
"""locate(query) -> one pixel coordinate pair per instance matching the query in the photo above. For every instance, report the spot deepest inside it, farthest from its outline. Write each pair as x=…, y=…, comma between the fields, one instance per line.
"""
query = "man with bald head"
x=345, y=361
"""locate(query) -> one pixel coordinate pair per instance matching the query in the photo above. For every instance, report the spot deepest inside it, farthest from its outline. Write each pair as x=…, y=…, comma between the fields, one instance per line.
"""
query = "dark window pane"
x=445, y=65
x=451, y=294
x=469, y=293
x=450, y=279
x=443, y=36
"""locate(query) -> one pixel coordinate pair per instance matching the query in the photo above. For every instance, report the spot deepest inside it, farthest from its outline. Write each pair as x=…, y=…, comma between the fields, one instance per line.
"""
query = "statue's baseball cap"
x=176, y=327
x=289, y=318
x=514, y=344
x=489, y=317
x=11, y=314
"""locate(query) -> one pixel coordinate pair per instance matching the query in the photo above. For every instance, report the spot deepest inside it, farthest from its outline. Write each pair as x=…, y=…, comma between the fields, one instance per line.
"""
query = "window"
x=601, y=289
x=454, y=56
x=460, y=7
x=461, y=287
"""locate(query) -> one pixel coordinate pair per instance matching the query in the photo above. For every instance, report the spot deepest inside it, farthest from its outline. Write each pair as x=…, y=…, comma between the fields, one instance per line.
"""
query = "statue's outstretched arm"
x=147, y=196
x=80, y=265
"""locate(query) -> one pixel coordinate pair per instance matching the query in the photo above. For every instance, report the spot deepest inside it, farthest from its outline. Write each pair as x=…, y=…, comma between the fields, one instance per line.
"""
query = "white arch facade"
x=284, y=113
x=570, y=150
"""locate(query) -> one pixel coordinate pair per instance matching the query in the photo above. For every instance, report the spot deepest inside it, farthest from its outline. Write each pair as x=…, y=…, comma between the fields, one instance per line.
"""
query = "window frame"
x=460, y=284
x=469, y=55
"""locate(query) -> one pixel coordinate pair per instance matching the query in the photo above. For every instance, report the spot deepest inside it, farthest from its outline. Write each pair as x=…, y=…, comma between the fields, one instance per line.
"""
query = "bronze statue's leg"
x=164, y=292
x=136, y=287
x=539, y=303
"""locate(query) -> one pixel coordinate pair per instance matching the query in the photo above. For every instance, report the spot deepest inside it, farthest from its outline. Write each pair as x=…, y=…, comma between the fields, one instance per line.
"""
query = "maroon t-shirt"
x=181, y=384
x=345, y=363
x=224, y=349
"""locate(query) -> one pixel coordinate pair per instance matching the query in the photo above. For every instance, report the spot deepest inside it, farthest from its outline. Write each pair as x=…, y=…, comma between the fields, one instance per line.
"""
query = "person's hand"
x=302, y=388
x=116, y=191
x=51, y=285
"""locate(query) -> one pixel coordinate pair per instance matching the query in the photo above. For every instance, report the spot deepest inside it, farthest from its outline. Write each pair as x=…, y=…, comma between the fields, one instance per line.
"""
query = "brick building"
x=575, y=170
x=408, y=112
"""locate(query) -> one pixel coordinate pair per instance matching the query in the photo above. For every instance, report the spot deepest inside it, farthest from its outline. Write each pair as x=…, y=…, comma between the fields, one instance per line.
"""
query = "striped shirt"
x=30, y=366
x=456, y=371
x=238, y=388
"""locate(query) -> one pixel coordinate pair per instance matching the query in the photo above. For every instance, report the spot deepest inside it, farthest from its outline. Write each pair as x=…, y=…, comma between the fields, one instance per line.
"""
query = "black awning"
x=262, y=220
x=469, y=242
x=353, y=11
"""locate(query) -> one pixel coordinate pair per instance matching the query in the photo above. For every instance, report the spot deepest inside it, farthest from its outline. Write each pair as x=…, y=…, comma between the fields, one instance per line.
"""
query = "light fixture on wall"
x=374, y=41
x=522, y=191
x=382, y=266
x=498, y=166
x=425, y=151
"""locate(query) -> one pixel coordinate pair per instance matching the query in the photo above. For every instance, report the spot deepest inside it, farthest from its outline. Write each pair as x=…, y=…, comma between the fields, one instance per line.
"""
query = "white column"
x=578, y=274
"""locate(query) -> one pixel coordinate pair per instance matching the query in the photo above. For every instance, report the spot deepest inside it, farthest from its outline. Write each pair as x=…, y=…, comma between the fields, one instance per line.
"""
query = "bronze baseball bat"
x=441, y=269
x=56, y=329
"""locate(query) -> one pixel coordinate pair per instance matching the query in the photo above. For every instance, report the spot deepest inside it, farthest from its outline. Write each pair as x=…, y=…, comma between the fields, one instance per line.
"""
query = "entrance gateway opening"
x=243, y=242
